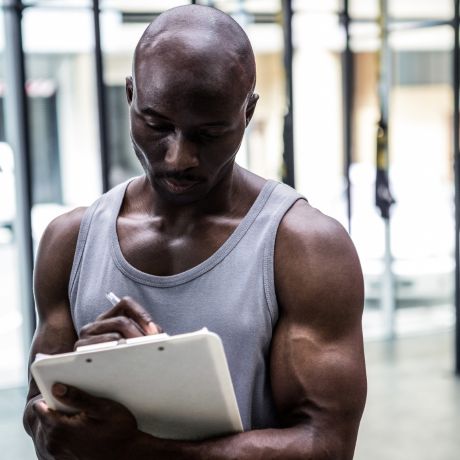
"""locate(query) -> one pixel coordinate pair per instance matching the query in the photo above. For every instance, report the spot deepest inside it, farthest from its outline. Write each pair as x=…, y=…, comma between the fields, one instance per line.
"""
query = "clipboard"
x=178, y=387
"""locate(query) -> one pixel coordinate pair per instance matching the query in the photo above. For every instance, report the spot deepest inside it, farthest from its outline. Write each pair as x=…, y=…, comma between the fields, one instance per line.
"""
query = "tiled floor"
x=412, y=413
x=14, y=442
x=413, y=407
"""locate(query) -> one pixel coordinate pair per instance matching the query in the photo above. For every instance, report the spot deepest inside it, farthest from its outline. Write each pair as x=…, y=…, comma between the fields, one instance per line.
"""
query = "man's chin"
x=180, y=193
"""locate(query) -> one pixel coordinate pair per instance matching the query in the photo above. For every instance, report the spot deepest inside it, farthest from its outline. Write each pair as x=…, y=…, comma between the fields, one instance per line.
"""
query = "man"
x=199, y=241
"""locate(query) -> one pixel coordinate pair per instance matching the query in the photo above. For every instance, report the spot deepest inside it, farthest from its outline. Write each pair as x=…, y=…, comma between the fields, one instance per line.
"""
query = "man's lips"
x=179, y=185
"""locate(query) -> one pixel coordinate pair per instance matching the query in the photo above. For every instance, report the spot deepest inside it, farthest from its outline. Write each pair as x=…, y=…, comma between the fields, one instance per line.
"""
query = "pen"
x=151, y=328
x=112, y=298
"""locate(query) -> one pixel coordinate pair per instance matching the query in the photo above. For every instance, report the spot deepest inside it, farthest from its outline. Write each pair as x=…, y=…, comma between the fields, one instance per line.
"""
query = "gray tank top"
x=232, y=293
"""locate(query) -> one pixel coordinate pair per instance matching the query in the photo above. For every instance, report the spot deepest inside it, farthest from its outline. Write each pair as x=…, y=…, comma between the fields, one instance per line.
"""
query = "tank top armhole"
x=269, y=254
x=81, y=242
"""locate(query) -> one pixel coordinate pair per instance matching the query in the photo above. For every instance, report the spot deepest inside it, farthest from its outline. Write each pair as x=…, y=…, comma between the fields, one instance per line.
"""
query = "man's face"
x=185, y=130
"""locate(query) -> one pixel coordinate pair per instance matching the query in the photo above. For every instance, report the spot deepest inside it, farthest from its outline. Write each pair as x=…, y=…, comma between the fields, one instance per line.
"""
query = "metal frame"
x=348, y=96
x=456, y=142
x=288, y=130
x=101, y=100
x=18, y=136
x=410, y=24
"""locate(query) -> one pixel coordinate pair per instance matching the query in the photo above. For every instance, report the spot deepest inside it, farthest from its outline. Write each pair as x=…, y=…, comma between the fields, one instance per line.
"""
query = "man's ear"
x=129, y=89
x=253, y=98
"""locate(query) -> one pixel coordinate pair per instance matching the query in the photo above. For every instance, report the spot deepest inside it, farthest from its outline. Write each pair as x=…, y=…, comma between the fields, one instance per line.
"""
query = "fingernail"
x=152, y=328
x=59, y=389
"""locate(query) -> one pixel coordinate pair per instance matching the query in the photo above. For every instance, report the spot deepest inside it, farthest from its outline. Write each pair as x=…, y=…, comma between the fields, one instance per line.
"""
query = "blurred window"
x=421, y=9
x=421, y=176
x=315, y=6
x=58, y=45
x=59, y=3
x=318, y=123
x=141, y=5
x=365, y=9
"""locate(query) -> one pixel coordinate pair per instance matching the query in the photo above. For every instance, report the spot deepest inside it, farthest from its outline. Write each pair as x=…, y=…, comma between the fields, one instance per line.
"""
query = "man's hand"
x=127, y=319
x=102, y=429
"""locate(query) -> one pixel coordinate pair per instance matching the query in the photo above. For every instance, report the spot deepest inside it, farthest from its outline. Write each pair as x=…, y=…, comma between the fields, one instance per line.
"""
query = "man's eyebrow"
x=152, y=112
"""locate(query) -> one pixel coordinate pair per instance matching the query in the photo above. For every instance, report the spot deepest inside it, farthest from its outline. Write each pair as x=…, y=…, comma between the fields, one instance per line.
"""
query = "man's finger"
x=131, y=309
x=46, y=416
x=41, y=409
x=93, y=339
x=122, y=325
x=78, y=399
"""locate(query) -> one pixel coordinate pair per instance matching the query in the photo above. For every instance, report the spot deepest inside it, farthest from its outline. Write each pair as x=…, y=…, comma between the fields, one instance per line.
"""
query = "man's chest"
x=156, y=250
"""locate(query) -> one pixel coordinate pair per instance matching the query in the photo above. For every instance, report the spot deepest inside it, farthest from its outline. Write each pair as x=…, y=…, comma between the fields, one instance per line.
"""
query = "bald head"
x=201, y=43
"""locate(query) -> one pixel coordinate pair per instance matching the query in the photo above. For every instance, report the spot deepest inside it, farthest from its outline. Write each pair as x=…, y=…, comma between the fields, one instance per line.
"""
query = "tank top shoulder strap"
x=281, y=200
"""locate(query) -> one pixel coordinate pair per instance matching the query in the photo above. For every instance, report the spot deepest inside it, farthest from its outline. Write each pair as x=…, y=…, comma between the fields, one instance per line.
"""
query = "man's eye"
x=161, y=128
x=210, y=134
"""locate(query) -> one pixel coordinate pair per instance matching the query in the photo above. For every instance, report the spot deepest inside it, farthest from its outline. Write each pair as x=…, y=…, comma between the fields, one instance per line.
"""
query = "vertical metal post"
x=288, y=131
x=388, y=283
x=456, y=141
x=101, y=99
x=347, y=85
x=17, y=135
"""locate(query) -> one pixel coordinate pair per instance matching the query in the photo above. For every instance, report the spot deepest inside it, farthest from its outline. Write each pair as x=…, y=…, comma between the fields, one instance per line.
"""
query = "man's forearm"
x=270, y=444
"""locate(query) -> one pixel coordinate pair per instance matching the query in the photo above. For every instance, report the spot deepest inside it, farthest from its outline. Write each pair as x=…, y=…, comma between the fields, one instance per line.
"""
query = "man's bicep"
x=317, y=358
x=55, y=332
x=54, y=261
x=320, y=383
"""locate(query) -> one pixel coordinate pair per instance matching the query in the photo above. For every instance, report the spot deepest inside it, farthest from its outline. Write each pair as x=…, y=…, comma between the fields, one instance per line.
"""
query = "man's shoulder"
x=54, y=260
x=64, y=228
x=58, y=243
x=317, y=269
x=305, y=226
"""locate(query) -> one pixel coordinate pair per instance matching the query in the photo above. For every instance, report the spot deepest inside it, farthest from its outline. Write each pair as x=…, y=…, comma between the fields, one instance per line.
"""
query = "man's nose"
x=182, y=153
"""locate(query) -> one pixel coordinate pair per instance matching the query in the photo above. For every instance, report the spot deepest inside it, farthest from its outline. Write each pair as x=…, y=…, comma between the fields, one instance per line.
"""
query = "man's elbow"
x=318, y=445
x=29, y=418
